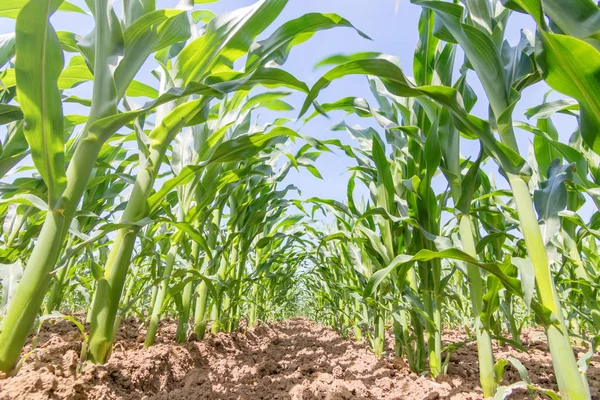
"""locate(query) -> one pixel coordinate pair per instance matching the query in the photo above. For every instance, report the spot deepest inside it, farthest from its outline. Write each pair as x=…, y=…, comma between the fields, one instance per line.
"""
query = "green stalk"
x=30, y=293
x=570, y=381
x=183, y=320
x=512, y=323
x=435, y=363
x=54, y=297
x=427, y=271
x=169, y=121
x=218, y=302
x=260, y=315
x=487, y=376
x=437, y=316
x=254, y=306
x=379, y=339
x=118, y=262
x=408, y=348
x=186, y=301
x=225, y=312
x=55, y=291
x=200, y=319
x=346, y=317
x=36, y=278
x=358, y=335
x=200, y=313
x=105, y=307
x=398, y=339
x=380, y=326
x=162, y=294
x=232, y=264
x=419, y=353
x=240, y=269
x=153, y=297
x=215, y=316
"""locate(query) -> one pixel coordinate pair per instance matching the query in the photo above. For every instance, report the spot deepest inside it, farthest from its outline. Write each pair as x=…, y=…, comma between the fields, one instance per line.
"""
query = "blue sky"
x=393, y=32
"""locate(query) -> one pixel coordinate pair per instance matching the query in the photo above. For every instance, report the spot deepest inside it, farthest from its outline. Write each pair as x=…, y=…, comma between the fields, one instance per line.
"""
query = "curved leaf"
x=572, y=67
x=277, y=46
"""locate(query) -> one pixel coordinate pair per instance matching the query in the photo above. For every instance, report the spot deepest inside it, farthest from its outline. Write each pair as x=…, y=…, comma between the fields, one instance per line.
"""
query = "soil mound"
x=295, y=359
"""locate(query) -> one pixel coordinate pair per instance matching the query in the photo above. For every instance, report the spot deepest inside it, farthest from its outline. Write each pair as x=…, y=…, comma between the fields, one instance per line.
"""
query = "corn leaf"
x=39, y=63
x=572, y=67
x=394, y=80
x=226, y=37
x=11, y=8
x=7, y=47
x=277, y=47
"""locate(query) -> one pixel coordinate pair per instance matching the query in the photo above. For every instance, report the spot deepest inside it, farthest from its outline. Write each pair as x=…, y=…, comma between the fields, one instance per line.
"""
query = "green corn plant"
x=126, y=44
x=506, y=154
x=65, y=188
x=178, y=208
x=172, y=118
x=501, y=94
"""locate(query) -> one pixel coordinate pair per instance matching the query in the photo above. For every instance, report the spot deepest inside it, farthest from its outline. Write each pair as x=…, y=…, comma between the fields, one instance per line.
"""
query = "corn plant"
x=503, y=72
x=191, y=61
x=176, y=208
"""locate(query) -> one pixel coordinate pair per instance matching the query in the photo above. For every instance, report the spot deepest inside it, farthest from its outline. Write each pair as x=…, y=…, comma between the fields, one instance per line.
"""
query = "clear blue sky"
x=393, y=32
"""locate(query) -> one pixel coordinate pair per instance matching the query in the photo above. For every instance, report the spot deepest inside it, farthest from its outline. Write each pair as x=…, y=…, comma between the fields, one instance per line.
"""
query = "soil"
x=295, y=359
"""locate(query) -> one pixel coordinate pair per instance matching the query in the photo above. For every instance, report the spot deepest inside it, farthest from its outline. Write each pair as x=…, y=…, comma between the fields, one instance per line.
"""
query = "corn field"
x=164, y=189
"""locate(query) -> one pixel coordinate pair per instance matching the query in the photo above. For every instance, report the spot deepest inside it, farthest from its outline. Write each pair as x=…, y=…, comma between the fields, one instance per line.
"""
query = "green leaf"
x=426, y=49
x=546, y=110
x=14, y=150
x=217, y=85
x=226, y=38
x=69, y=41
x=27, y=199
x=337, y=59
x=572, y=67
x=479, y=49
x=396, y=83
x=552, y=198
x=7, y=47
x=184, y=177
x=9, y=113
x=314, y=171
x=139, y=89
x=277, y=46
x=269, y=77
x=202, y=16
x=356, y=105
x=499, y=369
x=105, y=127
x=58, y=315
x=248, y=145
x=570, y=154
x=152, y=32
x=269, y=100
x=76, y=73
x=469, y=184
x=527, y=278
x=579, y=18
x=172, y=123
x=11, y=8
x=38, y=66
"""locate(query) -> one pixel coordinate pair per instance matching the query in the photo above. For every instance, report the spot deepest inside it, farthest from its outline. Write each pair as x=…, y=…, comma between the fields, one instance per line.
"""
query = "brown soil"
x=296, y=359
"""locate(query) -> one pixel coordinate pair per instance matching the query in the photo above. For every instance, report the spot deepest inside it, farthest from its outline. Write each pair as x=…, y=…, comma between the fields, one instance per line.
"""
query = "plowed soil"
x=295, y=359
